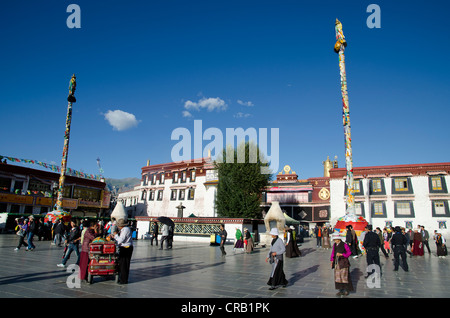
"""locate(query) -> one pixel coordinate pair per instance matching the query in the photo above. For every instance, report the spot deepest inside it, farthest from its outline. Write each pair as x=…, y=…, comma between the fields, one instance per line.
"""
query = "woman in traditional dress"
x=386, y=238
x=417, y=248
x=291, y=245
x=248, y=241
x=277, y=249
x=339, y=261
x=239, y=239
x=326, y=237
x=440, y=245
x=89, y=235
x=352, y=241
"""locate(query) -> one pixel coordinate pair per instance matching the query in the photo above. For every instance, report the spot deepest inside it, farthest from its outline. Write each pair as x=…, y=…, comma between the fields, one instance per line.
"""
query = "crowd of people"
x=344, y=244
x=394, y=241
x=27, y=228
x=417, y=240
x=74, y=235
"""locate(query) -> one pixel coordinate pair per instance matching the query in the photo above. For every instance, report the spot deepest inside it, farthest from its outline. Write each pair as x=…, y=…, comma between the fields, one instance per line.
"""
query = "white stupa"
x=274, y=218
x=276, y=215
x=119, y=212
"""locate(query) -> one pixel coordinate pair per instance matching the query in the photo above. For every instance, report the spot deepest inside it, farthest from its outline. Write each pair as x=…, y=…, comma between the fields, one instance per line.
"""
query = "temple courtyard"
x=197, y=270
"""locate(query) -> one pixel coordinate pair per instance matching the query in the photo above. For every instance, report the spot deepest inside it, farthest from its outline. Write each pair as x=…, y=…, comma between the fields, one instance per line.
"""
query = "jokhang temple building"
x=193, y=185
x=183, y=191
x=396, y=195
x=307, y=201
x=175, y=189
x=404, y=195
x=186, y=192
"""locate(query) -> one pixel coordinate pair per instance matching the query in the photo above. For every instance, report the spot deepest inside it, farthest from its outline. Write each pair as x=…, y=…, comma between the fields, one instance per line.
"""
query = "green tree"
x=241, y=181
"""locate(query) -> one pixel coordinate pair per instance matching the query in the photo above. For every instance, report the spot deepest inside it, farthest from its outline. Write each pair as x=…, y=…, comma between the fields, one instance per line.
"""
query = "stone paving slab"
x=195, y=271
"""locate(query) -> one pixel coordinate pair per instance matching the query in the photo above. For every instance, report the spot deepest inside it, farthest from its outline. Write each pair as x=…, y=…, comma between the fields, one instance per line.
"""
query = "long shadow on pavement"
x=302, y=274
x=152, y=272
x=25, y=278
x=306, y=251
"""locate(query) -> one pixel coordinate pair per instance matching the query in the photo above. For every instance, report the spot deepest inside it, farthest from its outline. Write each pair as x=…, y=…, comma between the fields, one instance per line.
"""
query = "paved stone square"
x=195, y=270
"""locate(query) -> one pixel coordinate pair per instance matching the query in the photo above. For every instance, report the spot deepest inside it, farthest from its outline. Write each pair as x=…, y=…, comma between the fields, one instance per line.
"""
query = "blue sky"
x=260, y=64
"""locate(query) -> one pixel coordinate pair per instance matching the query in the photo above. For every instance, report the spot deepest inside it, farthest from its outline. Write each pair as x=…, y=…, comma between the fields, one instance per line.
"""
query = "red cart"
x=102, y=260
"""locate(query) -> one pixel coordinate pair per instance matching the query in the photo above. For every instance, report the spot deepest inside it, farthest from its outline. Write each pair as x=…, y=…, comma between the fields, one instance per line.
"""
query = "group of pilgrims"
x=342, y=249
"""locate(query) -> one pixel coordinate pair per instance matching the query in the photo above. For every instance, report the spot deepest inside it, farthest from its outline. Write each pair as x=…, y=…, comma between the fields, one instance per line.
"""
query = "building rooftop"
x=394, y=170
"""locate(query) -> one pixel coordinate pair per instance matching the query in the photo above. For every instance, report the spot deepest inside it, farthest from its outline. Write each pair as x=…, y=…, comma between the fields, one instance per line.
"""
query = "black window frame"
x=443, y=184
x=433, y=210
x=191, y=190
x=190, y=175
x=182, y=191
x=383, y=188
x=372, y=209
x=172, y=196
x=151, y=195
x=361, y=188
x=408, y=182
x=411, y=207
x=184, y=176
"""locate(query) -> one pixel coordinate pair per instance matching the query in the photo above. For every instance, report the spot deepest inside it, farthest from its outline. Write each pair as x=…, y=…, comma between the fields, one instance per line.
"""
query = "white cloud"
x=242, y=115
x=249, y=103
x=209, y=104
x=121, y=120
x=186, y=113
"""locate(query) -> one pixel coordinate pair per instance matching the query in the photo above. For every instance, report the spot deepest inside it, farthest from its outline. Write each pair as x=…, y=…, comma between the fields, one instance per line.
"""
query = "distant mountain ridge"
x=122, y=185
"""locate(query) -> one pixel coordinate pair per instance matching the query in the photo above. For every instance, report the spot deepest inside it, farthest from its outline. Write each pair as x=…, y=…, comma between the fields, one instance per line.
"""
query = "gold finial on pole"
x=340, y=38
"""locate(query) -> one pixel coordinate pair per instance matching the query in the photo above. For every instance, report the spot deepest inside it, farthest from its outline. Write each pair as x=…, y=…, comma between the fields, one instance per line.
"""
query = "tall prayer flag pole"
x=71, y=99
x=339, y=48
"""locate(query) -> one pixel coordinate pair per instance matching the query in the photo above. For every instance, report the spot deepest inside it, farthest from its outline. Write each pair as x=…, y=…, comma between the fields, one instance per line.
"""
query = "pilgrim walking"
x=441, y=248
x=248, y=241
x=291, y=245
x=223, y=237
x=417, y=247
x=275, y=257
x=380, y=236
x=326, y=237
x=352, y=241
x=239, y=239
x=341, y=265
x=155, y=232
x=165, y=236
